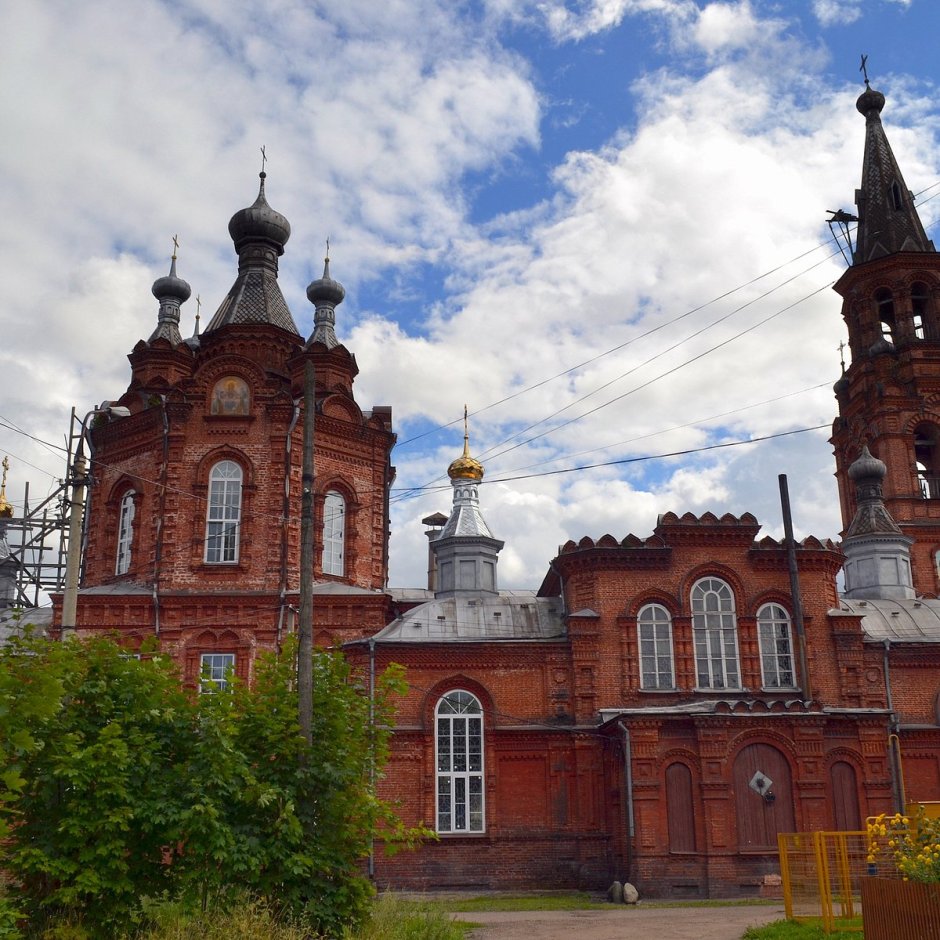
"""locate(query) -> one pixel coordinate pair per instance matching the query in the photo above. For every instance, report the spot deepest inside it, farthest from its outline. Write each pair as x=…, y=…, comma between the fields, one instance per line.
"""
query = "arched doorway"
x=763, y=808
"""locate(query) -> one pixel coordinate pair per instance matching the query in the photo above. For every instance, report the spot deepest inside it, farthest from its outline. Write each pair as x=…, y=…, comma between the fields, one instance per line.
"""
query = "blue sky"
x=511, y=188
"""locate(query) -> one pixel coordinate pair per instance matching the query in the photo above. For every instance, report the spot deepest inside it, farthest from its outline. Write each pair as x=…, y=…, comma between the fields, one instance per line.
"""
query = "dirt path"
x=646, y=923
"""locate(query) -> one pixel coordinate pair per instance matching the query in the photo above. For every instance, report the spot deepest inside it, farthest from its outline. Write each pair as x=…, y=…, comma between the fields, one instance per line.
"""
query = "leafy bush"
x=911, y=843
x=116, y=784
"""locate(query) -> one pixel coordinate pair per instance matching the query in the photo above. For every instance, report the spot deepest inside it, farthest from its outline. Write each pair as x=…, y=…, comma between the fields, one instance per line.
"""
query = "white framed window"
x=459, y=752
x=223, y=517
x=126, y=515
x=214, y=671
x=715, y=632
x=776, y=647
x=654, y=634
x=334, y=533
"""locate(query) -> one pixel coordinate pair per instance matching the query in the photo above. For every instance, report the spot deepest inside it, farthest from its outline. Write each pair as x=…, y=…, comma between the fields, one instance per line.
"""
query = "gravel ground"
x=644, y=923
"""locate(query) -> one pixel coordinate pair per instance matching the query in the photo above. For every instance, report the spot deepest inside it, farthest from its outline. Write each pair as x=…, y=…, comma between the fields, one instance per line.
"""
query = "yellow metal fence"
x=822, y=874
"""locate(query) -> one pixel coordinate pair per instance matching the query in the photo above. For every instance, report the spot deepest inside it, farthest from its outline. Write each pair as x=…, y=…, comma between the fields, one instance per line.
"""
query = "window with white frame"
x=776, y=648
x=223, y=518
x=715, y=632
x=459, y=747
x=654, y=633
x=214, y=671
x=126, y=515
x=334, y=533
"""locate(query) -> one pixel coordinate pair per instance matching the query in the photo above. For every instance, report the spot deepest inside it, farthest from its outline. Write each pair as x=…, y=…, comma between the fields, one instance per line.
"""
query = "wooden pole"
x=795, y=588
x=305, y=629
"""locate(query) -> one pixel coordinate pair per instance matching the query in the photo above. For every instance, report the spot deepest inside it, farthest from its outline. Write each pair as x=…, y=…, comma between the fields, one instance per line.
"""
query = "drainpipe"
x=894, y=742
x=372, y=748
x=628, y=781
x=285, y=523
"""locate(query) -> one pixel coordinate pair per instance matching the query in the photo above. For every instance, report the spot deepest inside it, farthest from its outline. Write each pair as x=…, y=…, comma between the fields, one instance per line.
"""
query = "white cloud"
x=837, y=12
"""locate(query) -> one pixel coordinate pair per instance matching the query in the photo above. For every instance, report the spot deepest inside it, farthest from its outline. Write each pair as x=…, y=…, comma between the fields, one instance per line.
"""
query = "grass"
x=791, y=930
x=566, y=901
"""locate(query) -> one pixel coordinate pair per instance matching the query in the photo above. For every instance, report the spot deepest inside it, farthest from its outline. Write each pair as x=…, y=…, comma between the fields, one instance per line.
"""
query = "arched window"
x=654, y=634
x=459, y=746
x=896, y=195
x=715, y=631
x=223, y=518
x=919, y=310
x=776, y=648
x=927, y=460
x=884, y=301
x=125, y=533
x=334, y=533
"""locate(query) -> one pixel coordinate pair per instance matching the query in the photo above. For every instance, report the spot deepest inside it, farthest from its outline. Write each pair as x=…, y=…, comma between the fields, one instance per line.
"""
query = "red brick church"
x=659, y=709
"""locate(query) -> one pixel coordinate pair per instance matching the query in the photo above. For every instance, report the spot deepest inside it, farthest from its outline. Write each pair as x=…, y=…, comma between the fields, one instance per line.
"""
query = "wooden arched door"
x=843, y=797
x=761, y=816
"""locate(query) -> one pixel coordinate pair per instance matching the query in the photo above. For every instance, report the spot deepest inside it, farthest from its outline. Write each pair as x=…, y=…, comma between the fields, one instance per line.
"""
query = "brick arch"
x=450, y=684
x=768, y=596
x=228, y=364
x=714, y=570
x=341, y=406
x=763, y=735
x=683, y=755
x=653, y=596
x=929, y=414
x=218, y=454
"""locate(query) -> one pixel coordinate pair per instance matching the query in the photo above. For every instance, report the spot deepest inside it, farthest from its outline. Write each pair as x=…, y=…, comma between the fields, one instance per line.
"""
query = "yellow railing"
x=821, y=874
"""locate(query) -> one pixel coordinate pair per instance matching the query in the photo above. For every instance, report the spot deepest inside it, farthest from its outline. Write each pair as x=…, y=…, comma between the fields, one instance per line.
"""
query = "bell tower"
x=889, y=395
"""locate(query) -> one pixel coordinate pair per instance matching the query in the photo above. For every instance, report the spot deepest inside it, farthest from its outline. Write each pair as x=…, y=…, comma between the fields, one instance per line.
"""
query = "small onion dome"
x=870, y=101
x=259, y=222
x=842, y=385
x=171, y=287
x=465, y=467
x=325, y=290
x=867, y=467
x=6, y=507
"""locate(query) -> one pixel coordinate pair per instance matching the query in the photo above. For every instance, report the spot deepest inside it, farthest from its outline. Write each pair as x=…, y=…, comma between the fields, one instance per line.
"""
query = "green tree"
x=116, y=784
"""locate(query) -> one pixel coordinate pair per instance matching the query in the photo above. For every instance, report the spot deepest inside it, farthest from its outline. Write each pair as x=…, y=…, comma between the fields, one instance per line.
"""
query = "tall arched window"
x=125, y=533
x=223, y=518
x=654, y=634
x=715, y=631
x=776, y=648
x=884, y=301
x=459, y=746
x=919, y=310
x=927, y=459
x=334, y=533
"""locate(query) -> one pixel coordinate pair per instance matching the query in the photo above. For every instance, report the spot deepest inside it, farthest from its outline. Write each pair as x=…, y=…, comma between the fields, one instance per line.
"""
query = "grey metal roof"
x=900, y=621
x=506, y=616
x=255, y=297
x=14, y=623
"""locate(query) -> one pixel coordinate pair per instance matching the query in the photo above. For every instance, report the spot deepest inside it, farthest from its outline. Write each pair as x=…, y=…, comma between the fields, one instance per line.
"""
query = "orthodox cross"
x=863, y=68
x=327, y=248
x=6, y=469
x=198, y=308
x=842, y=354
x=264, y=159
x=176, y=245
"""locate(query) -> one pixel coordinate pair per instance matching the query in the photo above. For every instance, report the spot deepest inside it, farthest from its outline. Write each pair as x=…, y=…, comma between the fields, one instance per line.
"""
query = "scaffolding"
x=38, y=538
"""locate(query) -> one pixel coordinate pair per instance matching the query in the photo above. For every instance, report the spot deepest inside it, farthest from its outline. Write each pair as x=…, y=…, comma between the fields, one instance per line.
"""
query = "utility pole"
x=305, y=630
x=795, y=588
x=73, y=559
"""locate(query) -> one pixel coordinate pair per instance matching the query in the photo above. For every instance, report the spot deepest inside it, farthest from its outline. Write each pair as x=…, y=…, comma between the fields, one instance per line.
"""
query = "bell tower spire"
x=889, y=394
x=887, y=220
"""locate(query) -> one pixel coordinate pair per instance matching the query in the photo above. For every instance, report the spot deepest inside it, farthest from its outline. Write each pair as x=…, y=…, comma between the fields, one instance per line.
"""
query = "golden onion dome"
x=465, y=467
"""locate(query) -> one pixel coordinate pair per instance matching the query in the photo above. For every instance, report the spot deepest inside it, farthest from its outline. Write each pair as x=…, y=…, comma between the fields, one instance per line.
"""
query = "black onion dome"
x=325, y=289
x=171, y=287
x=867, y=467
x=842, y=385
x=259, y=223
x=870, y=101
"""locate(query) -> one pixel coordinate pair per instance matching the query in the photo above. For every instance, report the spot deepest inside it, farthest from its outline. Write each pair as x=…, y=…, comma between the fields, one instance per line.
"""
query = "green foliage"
x=394, y=919
x=116, y=785
x=793, y=930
